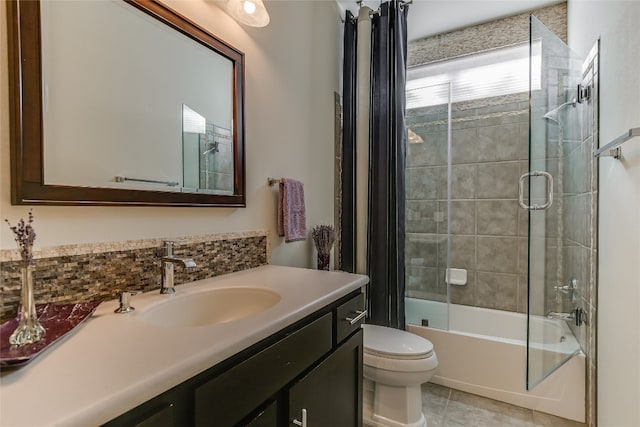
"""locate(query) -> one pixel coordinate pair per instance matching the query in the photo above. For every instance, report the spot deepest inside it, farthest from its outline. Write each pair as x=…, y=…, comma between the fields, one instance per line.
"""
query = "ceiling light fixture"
x=248, y=12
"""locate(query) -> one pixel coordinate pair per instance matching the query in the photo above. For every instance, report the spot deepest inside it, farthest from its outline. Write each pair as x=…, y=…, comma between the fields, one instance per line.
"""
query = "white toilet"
x=396, y=363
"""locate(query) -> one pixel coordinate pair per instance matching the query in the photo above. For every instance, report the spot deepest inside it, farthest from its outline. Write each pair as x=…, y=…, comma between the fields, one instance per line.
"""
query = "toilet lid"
x=394, y=343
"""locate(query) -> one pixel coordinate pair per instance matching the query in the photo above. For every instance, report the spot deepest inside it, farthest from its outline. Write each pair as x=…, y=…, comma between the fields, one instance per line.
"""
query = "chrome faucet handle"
x=169, y=245
x=125, y=301
x=569, y=289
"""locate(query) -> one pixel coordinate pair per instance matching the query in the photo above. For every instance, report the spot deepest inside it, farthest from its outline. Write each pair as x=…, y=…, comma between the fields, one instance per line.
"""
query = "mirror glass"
x=134, y=99
x=207, y=154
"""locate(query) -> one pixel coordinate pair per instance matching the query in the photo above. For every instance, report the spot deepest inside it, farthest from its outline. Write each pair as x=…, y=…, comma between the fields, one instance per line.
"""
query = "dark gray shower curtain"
x=387, y=146
x=348, y=202
x=385, y=254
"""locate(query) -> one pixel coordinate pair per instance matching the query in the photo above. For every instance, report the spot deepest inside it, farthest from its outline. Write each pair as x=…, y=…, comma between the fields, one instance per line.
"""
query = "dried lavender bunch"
x=323, y=236
x=25, y=235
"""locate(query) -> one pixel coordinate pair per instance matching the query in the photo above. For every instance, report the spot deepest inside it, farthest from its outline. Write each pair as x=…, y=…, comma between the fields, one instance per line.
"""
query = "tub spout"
x=579, y=315
x=560, y=316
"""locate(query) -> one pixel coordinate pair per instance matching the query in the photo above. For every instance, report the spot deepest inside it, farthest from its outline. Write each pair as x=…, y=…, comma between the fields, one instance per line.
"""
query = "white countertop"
x=114, y=362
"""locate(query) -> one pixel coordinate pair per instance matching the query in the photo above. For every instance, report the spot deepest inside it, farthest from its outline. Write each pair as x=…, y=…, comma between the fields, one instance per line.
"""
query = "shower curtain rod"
x=373, y=12
x=377, y=11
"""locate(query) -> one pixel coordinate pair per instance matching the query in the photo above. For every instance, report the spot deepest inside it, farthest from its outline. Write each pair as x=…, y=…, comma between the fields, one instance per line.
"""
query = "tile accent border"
x=125, y=245
x=490, y=35
x=96, y=272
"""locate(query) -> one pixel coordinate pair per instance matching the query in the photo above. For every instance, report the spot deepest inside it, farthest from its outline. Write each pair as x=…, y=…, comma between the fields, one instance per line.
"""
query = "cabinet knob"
x=354, y=320
x=302, y=423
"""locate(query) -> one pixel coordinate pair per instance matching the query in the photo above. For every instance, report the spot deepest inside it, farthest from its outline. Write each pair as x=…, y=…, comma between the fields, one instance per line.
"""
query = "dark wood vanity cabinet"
x=313, y=366
x=331, y=394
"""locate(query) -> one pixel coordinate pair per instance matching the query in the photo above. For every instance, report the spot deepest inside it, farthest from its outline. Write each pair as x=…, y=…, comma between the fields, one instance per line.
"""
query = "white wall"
x=616, y=23
x=291, y=74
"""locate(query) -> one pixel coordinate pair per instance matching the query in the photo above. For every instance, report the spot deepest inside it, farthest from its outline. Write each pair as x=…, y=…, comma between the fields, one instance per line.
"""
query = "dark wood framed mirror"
x=137, y=145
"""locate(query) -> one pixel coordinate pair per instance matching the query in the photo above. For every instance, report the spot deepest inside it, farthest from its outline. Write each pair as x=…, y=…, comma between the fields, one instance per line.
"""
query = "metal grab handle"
x=353, y=320
x=534, y=207
x=302, y=423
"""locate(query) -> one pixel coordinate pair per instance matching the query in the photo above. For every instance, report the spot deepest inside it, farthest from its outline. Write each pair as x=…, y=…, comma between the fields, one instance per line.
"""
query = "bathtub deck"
x=453, y=408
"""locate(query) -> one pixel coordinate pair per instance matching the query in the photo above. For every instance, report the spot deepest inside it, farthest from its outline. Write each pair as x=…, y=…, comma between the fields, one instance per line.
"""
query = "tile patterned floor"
x=445, y=407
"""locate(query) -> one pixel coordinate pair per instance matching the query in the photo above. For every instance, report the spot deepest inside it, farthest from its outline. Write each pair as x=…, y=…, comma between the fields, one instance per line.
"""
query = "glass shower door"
x=555, y=72
x=427, y=201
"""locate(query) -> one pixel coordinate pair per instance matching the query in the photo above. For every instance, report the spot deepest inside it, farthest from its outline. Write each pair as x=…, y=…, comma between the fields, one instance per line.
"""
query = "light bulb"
x=249, y=7
x=248, y=12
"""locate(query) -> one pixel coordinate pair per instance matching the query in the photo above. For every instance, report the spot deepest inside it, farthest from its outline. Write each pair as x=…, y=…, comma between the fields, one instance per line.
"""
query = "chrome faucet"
x=168, y=261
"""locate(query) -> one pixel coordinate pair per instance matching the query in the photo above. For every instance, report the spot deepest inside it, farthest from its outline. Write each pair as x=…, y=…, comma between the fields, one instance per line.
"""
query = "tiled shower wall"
x=488, y=229
x=96, y=272
x=580, y=245
x=221, y=169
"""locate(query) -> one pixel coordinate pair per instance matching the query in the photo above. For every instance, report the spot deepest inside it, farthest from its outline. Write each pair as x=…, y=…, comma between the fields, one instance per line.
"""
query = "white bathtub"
x=484, y=352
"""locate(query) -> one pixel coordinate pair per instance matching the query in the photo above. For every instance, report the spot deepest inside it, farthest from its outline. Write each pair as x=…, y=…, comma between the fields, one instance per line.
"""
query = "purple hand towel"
x=292, y=222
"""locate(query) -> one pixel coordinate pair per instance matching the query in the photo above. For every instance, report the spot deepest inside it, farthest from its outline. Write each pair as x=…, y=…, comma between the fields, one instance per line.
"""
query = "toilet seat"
x=395, y=344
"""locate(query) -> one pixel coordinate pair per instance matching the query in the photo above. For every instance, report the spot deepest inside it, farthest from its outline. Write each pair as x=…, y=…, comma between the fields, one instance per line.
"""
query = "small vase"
x=29, y=329
x=323, y=261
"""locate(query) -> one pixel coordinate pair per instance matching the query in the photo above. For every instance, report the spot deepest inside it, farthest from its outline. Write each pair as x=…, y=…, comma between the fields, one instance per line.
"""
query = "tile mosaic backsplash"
x=96, y=272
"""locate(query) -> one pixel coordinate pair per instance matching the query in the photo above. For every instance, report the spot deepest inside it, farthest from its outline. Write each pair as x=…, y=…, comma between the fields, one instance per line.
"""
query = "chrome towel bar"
x=151, y=181
x=613, y=147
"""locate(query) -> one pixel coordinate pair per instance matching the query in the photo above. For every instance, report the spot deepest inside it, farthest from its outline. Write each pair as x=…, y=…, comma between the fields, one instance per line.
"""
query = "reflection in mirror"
x=129, y=124
x=207, y=154
x=102, y=89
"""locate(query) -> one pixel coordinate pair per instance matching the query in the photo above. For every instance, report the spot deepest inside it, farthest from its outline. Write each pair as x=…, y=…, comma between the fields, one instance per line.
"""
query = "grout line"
x=446, y=406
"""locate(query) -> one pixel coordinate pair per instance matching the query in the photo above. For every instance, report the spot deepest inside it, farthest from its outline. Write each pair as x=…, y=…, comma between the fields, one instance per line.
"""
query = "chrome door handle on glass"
x=535, y=207
x=359, y=316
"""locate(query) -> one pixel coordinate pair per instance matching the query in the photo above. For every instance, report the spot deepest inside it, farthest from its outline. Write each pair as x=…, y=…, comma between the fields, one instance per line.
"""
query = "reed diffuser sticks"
x=323, y=236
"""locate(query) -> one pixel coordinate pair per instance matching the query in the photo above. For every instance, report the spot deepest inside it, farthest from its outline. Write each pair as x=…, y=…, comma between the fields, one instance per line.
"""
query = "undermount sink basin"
x=211, y=307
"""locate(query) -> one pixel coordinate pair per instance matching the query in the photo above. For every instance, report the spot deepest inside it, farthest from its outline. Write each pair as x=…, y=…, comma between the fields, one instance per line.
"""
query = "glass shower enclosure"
x=501, y=194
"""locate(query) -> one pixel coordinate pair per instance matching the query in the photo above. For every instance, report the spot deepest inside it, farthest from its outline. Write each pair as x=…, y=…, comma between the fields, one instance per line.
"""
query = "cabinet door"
x=331, y=394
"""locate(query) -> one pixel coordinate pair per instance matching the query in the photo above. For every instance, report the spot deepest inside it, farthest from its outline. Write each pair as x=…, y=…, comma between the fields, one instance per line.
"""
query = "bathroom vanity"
x=296, y=361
